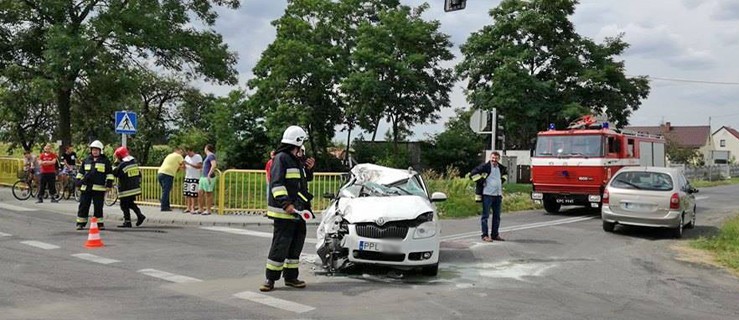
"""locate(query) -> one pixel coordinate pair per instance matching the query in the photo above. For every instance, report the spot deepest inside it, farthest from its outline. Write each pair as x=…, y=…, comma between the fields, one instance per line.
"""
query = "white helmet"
x=294, y=135
x=97, y=144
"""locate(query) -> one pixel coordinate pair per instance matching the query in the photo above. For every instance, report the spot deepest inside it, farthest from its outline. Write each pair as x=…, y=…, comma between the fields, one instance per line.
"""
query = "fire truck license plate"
x=565, y=200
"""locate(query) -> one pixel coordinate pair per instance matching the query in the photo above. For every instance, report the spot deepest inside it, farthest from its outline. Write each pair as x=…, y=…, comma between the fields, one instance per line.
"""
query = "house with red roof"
x=726, y=141
x=694, y=137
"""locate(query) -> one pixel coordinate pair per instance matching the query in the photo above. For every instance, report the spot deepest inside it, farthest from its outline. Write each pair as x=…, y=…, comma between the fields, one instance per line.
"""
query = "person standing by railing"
x=48, y=161
x=193, y=164
x=208, y=178
x=165, y=175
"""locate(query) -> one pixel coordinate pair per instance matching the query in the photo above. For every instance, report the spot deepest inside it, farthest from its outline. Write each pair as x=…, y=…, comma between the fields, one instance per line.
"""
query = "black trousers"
x=128, y=204
x=97, y=198
x=47, y=180
x=288, y=238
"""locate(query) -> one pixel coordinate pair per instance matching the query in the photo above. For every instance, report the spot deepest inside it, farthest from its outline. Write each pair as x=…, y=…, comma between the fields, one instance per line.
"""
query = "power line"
x=694, y=81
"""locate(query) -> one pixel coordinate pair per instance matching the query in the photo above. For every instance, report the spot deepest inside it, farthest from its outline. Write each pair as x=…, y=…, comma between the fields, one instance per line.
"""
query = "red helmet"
x=121, y=152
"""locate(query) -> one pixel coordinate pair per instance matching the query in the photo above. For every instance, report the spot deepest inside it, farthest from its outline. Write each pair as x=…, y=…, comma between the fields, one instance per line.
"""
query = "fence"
x=237, y=191
x=712, y=172
x=9, y=170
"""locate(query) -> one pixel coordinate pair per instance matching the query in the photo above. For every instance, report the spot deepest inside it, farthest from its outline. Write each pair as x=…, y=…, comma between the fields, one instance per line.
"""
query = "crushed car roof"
x=366, y=172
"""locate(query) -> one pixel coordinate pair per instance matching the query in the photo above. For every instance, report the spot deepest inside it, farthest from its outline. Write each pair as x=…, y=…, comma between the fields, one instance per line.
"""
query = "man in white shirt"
x=193, y=165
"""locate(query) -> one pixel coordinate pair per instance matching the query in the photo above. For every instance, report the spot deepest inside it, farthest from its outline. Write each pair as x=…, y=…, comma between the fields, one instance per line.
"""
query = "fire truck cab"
x=573, y=166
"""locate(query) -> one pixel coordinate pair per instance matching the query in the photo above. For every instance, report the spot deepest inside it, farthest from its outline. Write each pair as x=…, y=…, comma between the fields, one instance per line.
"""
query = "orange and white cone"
x=93, y=237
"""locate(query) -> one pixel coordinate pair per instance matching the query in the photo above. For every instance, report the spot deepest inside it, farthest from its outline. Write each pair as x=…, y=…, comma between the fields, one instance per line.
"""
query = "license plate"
x=565, y=200
x=378, y=247
x=636, y=206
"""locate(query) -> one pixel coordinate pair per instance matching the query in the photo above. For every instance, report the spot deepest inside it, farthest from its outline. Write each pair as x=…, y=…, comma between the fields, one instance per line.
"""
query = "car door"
x=690, y=196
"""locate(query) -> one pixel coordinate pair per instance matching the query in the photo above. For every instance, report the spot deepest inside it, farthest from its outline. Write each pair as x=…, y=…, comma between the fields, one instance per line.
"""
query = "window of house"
x=722, y=143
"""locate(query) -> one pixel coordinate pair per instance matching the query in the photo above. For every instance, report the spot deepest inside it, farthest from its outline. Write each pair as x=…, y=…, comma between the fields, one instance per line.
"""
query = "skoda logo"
x=380, y=221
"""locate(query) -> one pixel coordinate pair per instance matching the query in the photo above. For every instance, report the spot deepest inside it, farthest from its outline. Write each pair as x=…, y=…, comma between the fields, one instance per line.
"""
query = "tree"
x=28, y=113
x=396, y=71
x=535, y=69
x=457, y=146
x=678, y=153
x=67, y=40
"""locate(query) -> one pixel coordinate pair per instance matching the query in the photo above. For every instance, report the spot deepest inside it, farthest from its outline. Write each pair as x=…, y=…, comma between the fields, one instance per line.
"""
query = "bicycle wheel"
x=111, y=197
x=59, y=191
x=67, y=191
x=21, y=190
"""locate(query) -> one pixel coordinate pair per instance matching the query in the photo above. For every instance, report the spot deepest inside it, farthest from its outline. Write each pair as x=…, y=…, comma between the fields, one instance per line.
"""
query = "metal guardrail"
x=236, y=190
x=9, y=170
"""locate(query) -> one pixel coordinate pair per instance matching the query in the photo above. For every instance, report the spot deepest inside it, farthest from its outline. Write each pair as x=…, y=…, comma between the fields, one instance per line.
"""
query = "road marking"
x=176, y=278
x=2, y=234
x=701, y=198
x=15, y=208
x=274, y=302
x=248, y=232
x=520, y=227
x=94, y=258
x=39, y=244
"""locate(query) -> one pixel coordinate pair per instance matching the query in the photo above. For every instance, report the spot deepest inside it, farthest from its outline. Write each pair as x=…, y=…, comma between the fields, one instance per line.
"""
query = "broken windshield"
x=372, y=189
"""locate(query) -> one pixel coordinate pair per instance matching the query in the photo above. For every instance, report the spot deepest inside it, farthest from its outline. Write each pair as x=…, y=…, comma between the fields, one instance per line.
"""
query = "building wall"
x=732, y=143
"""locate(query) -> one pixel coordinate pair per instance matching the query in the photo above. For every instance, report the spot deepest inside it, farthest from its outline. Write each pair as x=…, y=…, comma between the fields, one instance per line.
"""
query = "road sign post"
x=125, y=124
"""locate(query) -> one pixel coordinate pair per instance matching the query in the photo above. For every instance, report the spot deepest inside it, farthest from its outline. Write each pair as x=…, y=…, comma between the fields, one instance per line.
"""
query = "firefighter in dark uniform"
x=129, y=186
x=94, y=178
x=288, y=197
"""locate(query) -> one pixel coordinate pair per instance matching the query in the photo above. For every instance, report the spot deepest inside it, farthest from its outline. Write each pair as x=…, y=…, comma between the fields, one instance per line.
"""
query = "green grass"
x=725, y=245
x=706, y=183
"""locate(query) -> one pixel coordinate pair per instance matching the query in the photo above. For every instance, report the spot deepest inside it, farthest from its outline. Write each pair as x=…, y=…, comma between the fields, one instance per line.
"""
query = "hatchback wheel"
x=608, y=226
x=691, y=225
x=678, y=232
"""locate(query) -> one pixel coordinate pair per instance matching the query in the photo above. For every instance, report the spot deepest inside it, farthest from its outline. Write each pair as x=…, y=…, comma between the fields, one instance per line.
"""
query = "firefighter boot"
x=80, y=226
x=268, y=285
x=101, y=226
x=295, y=283
x=140, y=220
x=126, y=224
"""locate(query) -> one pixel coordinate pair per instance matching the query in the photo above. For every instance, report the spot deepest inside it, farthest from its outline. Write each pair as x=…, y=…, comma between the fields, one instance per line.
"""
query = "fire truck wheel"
x=608, y=226
x=551, y=206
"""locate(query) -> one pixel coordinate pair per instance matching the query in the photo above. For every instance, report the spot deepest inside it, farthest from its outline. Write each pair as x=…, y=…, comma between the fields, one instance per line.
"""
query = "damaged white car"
x=381, y=216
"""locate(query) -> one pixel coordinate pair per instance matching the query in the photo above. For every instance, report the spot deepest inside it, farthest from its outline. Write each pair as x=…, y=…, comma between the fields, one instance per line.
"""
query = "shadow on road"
x=664, y=233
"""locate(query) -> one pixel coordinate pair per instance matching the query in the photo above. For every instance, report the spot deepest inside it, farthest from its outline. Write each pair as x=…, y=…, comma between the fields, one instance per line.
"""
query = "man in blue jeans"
x=489, y=178
x=171, y=164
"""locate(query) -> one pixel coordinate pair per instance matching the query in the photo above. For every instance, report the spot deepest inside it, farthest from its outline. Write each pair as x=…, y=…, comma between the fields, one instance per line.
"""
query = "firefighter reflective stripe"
x=279, y=191
x=274, y=265
x=280, y=215
x=88, y=167
x=292, y=173
x=302, y=197
x=81, y=220
x=100, y=220
x=100, y=167
x=132, y=170
x=476, y=177
x=292, y=263
x=478, y=198
x=109, y=177
x=129, y=193
x=80, y=176
x=97, y=187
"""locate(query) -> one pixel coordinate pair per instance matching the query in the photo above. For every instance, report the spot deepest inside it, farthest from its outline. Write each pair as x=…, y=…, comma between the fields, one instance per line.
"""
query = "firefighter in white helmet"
x=288, y=198
x=95, y=177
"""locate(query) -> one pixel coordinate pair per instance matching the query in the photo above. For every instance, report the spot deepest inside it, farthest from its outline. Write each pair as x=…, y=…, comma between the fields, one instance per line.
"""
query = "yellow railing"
x=9, y=170
x=237, y=190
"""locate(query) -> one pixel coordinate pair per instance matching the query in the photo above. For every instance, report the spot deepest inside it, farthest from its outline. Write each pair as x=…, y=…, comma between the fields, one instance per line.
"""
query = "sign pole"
x=493, y=128
x=123, y=139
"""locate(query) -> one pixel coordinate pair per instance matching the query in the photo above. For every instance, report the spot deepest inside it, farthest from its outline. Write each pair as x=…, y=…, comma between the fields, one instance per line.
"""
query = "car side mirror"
x=438, y=197
x=329, y=195
x=693, y=190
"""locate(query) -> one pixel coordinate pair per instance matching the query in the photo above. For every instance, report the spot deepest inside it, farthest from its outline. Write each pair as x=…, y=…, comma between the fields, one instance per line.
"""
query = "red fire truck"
x=573, y=166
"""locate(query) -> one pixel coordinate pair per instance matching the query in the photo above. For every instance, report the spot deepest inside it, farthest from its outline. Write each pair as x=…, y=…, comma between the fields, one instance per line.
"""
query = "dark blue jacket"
x=481, y=172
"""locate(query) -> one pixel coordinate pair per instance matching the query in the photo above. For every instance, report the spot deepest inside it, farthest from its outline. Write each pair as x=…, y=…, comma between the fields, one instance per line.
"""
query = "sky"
x=691, y=40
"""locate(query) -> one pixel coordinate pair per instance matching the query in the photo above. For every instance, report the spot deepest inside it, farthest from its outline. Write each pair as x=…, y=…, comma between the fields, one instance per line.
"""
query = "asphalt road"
x=552, y=267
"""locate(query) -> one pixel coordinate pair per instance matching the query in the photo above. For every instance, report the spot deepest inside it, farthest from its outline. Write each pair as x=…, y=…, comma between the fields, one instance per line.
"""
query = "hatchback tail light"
x=675, y=201
x=605, y=197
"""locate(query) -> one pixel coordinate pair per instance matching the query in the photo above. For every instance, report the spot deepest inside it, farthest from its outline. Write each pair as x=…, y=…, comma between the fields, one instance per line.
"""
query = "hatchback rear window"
x=654, y=181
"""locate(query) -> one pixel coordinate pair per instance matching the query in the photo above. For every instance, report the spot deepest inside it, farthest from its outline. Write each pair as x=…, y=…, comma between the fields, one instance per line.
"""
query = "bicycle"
x=69, y=190
x=26, y=186
x=111, y=196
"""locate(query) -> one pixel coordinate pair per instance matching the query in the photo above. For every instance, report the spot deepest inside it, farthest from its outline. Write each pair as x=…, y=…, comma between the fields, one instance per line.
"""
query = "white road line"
x=274, y=302
x=39, y=244
x=520, y=227
x=248, y=232
x=94, y=258
x=15, y=208
x=176, y=278
x=2, y=234
x=701, y=198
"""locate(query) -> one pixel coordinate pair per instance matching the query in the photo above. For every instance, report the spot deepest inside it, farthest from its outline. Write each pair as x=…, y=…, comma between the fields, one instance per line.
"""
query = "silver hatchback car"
x=650, y=197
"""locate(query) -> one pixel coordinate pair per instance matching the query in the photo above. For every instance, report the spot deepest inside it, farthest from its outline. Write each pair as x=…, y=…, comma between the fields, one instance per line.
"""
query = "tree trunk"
x=63, y=99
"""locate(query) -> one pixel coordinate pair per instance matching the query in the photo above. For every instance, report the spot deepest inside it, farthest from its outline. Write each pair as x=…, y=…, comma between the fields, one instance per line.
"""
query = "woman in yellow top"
x=171, y=164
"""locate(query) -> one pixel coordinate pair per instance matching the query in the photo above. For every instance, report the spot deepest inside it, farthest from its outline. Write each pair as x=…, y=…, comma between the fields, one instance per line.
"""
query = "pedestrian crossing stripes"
x=171, y=277
x=274, y=302
x=94, y=258
x=15, y=208
x=40, y=245
x=5, y=234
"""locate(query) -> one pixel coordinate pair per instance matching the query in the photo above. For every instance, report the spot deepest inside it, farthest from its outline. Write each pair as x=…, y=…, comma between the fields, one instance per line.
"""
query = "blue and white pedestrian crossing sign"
x=125, y=122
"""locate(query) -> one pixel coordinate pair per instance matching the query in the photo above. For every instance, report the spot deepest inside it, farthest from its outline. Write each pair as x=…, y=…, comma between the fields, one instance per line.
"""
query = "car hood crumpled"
x=395, y=208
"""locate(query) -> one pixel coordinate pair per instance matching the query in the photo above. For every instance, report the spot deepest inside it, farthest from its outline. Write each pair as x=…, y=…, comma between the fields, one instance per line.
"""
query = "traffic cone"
x=93, y=237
